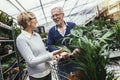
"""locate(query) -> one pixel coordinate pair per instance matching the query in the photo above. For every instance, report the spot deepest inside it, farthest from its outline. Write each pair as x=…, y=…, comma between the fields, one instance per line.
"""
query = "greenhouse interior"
x=96, y=36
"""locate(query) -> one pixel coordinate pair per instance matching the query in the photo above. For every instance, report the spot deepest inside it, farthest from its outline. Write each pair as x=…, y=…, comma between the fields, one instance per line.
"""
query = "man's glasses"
x=56, y=15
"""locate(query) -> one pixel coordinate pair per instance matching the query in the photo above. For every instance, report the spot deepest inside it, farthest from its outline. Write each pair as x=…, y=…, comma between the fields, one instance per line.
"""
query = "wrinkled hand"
x=75, y=51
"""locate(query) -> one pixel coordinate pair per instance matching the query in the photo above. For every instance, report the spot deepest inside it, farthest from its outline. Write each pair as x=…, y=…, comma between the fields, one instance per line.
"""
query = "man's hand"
x=75, y=51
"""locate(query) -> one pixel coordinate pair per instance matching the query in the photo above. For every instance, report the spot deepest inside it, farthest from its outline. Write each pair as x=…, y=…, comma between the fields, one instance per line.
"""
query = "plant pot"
x=75, y=76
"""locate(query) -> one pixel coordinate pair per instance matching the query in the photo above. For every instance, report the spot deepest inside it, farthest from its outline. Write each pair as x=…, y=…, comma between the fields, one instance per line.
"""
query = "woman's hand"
x=57, y=52
x=64, y=55
x=47, y=62
x=57, y=57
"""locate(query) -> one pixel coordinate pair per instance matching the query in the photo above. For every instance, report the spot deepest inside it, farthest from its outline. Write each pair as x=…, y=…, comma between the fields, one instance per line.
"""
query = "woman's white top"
x=34, y=52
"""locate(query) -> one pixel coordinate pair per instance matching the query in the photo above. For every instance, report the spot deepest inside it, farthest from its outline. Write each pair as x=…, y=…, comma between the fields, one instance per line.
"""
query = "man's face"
x=57, y=16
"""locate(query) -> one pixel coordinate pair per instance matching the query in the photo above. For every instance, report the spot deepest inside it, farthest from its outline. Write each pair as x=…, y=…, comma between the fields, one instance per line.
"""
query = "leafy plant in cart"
x=94, y=52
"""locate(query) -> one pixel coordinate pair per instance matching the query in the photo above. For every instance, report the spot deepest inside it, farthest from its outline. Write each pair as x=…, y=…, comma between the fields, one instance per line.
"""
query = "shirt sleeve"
x=27, y=53
x=51, y=42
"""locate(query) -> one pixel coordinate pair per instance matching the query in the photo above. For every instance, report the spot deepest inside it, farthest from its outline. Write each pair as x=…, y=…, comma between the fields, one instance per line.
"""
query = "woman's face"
x=33, y=22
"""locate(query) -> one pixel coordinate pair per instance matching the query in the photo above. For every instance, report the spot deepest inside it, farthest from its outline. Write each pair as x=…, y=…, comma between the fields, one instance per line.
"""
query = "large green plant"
x=116, y=28
x=102, y=25
x=94, y=51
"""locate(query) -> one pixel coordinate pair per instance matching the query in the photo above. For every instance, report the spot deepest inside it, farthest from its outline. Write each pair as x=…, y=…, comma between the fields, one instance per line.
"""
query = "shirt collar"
x=57, y=28
x=28, y=34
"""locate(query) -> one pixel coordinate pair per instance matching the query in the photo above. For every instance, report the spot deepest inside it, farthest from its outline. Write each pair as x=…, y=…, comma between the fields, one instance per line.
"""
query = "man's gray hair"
x=59, y=8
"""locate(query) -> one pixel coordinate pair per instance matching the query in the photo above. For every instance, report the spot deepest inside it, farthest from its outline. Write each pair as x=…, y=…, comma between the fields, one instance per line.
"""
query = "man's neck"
x=62, y=25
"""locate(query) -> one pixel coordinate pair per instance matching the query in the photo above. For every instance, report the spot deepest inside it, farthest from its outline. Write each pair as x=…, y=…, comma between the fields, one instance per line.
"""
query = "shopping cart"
x=53, y=67
x=55, y=73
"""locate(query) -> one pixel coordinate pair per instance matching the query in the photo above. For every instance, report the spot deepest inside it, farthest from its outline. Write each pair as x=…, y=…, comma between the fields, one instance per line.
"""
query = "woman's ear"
x=28, y=22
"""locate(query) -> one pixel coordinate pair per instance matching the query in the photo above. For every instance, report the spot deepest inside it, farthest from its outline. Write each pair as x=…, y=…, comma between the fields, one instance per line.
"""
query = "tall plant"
x=116, y=28
x=94, y=52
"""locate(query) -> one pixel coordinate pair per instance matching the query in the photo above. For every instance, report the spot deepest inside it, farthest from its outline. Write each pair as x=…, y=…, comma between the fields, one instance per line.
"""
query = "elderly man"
x=55, y=38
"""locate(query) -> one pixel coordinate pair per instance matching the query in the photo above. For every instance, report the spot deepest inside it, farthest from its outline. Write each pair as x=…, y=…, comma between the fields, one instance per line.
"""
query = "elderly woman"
x=31, y=47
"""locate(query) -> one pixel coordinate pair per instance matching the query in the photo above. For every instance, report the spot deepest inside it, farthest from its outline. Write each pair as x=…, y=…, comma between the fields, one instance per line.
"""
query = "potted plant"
x=8, y=48
x=94, y=52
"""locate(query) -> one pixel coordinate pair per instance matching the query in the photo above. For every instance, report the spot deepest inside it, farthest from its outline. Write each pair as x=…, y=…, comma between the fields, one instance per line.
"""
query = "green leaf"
x=64, y=48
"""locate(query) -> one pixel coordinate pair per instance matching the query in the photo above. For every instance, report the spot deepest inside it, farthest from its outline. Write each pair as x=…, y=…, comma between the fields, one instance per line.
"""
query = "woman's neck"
x=29, y=30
